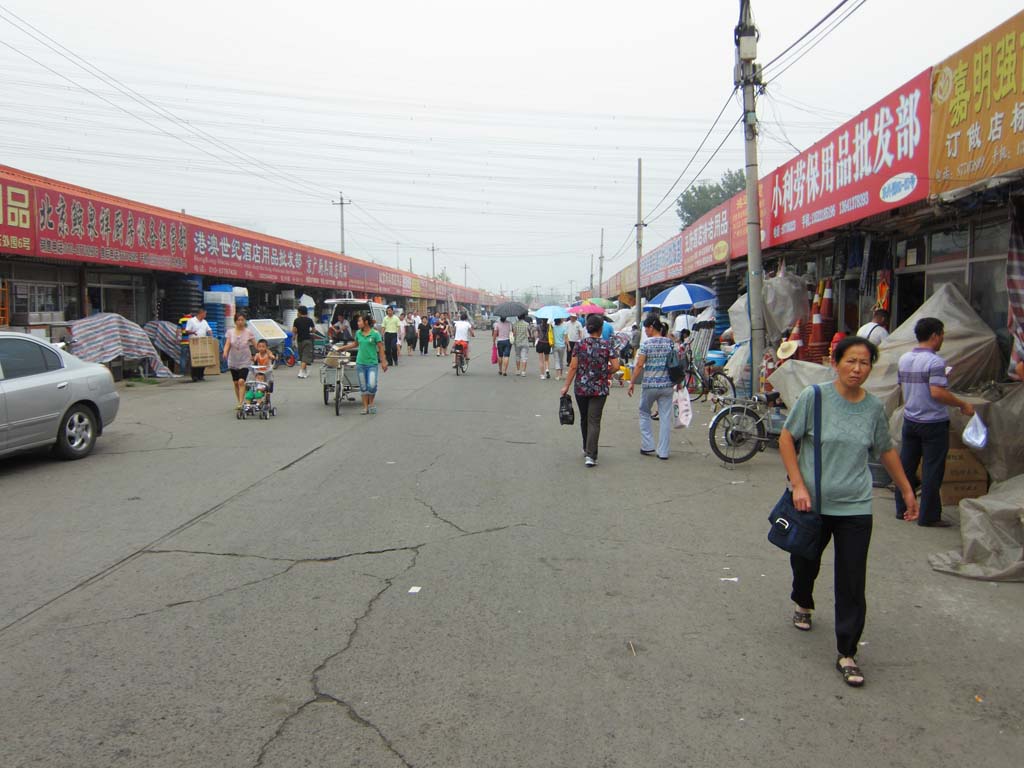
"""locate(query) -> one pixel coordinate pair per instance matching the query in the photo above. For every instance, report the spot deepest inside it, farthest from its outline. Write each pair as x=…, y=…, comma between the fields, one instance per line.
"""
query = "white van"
x=348, y=307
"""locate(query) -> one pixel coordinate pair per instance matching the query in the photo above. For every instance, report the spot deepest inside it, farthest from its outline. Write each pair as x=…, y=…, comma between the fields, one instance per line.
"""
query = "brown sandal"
x=851, y=673
x=802, y=620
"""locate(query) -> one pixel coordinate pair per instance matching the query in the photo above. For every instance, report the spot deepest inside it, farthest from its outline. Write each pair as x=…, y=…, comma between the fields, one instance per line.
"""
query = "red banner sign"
x=873, y=163
x=52, y=220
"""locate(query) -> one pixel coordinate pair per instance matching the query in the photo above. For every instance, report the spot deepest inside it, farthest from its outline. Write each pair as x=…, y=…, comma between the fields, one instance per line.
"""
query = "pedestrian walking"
x=411, y=333
x=877, y=330
x=656, y=387
x=197, y=328
x=522, y=334
x=926, y=395
x=574, y=333
x=424, y=332
x=238, y=344
x=853, y=427
x=370, y=346
x=442, y=329
x=502, y=335
x=302, y=333
x=543, y=346
x=392, y=325
x=591, y=368
x=558, y=333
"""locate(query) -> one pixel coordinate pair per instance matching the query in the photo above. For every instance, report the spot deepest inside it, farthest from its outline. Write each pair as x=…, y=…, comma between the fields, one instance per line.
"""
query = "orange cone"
x=817, y=331
x=826, y=299
x=796, y=333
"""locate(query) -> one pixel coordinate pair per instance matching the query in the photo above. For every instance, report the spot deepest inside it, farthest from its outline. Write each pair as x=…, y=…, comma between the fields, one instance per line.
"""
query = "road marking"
x=414, y=590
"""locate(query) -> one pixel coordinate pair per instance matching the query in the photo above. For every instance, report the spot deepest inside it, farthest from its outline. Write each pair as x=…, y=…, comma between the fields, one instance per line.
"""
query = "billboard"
x=48, y=219
x=873, y=163
x=977, y=122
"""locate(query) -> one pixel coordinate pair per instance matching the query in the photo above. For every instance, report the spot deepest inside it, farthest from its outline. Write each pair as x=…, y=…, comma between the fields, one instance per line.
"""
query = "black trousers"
x=852, y=536
x=927, y=444
x=391, y=348
x=424, y=344
x=590, y=409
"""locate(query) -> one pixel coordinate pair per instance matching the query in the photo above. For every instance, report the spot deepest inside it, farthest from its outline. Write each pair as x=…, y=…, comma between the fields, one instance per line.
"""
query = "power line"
x=802, y=37
x=812, y=44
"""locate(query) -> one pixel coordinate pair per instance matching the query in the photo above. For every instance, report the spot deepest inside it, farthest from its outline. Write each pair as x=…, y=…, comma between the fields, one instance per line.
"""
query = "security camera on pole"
x=748, y=77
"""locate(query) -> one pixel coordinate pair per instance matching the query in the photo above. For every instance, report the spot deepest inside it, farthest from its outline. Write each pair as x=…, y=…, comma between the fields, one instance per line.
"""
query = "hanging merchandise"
x=882, y=301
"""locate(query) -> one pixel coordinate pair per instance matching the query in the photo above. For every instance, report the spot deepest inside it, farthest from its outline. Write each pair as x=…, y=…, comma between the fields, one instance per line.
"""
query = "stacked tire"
x=727, y=289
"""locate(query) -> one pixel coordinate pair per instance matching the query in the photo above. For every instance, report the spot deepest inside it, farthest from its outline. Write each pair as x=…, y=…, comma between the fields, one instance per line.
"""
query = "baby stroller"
x=259, y=386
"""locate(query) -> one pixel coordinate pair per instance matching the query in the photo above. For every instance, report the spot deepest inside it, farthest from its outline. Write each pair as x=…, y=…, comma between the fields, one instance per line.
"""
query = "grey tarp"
x=785, y=302
x=970, y=348
x=992, y=536
x=794, y=376
x=739, y=317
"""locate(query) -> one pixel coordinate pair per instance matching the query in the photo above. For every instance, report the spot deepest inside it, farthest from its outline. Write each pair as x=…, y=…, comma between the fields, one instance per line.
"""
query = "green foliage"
x=705, y=195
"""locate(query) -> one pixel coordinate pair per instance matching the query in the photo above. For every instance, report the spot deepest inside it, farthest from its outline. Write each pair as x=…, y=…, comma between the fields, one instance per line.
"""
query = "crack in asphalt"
x=445, y=520
x=320, y=695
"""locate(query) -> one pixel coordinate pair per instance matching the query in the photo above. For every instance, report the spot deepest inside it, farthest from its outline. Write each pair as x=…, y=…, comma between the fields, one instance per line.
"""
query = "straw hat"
x=787, y=349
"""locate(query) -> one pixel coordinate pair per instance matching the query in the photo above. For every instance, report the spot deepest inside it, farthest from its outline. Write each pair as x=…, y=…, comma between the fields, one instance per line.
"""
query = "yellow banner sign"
x=977, y=129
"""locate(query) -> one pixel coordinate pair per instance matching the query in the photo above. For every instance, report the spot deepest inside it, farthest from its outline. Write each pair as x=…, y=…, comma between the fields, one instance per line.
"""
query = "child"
x=256, y=393
x=263, y=354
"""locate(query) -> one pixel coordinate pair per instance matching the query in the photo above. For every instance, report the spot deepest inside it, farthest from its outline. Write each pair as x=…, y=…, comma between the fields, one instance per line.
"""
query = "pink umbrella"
x=587, y=309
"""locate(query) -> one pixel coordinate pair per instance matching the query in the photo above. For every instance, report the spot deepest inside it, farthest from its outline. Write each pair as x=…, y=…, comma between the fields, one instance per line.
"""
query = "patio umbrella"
x=552, y=312
x=511, y=309
x=682, y=296
x=606, y=303
x=587, y=309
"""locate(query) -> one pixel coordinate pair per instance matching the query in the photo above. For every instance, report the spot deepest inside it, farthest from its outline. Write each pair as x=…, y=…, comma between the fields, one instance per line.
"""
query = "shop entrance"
x=909, y=295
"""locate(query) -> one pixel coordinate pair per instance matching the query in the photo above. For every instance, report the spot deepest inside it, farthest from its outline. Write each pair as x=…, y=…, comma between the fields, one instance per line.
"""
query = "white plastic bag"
x=682, y=413
x=975, y=433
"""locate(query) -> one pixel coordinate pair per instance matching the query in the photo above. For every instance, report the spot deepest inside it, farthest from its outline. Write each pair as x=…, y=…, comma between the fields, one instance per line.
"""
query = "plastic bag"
x=975, y=433
x=682, y=413
x=494, y=355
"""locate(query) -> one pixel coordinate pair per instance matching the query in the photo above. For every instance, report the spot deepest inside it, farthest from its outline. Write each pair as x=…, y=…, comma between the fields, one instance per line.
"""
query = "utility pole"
x=639, y=233
x=341, y=203
x=465, y=275
x=600, y=264
x=572, y=291
x=410, y=263
x=591, y=275
x=433, y=269
x=748, y=76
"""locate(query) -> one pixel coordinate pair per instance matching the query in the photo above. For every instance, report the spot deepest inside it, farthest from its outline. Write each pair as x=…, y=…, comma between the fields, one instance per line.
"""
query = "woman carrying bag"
x=853, y=426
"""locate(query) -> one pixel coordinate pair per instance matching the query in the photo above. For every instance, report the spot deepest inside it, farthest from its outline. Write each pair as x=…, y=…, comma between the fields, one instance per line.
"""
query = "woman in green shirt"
x=371, y=351
x=853, y=427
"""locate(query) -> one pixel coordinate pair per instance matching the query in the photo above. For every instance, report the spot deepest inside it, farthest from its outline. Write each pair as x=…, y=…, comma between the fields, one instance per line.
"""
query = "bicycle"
x=700, y=383
x=746, y=426
x=461, y=361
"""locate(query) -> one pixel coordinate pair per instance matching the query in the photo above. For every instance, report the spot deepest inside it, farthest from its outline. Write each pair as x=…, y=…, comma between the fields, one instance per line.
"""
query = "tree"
x=444, y=275
x=705, y=195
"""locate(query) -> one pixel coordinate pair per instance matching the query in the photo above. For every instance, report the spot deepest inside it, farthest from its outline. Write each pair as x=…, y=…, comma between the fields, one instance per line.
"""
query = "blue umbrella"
x=682, y=296
x=552, y=312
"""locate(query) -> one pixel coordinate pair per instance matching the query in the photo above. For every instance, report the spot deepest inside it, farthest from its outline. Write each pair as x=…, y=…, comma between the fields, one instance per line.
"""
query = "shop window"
x=956, y=277
x=991, y=239
x=988, y=292
x=910, y=253
x=948, y=246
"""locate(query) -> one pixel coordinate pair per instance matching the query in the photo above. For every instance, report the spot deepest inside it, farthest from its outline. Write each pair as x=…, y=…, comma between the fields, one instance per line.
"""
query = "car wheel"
x=77, y=434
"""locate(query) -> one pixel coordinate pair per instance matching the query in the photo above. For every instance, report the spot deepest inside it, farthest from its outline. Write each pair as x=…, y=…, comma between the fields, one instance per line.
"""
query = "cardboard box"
x=204, y=352
x=952, y=493
x=962, y=467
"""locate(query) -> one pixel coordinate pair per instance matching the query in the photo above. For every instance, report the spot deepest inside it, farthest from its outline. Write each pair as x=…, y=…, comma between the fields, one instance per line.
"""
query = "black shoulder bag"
x=674, y=368
x=792, y=530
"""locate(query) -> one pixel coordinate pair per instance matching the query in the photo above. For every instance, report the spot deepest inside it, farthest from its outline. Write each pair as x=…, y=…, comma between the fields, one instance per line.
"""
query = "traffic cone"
x=796, y=333
x=826, y=299
x=817, y=332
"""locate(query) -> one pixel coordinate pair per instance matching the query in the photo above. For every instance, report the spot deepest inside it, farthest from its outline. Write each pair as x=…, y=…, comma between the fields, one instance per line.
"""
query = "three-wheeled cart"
x=339, y=379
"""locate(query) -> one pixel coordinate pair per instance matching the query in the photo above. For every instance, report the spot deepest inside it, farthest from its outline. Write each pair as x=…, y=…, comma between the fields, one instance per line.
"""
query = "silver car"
x=50, y=397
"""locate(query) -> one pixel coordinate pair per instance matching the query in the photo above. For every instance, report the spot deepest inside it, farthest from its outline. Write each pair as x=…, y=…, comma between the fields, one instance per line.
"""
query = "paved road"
x=444, y=584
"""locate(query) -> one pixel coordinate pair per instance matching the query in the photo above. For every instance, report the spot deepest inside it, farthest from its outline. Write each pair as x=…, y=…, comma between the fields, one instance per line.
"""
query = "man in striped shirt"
x=926, y=395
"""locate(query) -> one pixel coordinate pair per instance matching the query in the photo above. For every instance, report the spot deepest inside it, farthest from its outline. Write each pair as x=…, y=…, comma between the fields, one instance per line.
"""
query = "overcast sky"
x=506, y=134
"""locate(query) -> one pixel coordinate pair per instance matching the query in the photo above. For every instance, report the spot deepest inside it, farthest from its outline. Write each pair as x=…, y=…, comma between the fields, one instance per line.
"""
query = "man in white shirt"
x=876, y=331
x=463, y=332
x=196, y=328
x=573, y=334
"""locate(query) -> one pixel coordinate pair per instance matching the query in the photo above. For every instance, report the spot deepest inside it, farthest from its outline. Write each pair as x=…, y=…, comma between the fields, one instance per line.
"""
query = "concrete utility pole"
x=600, y=264
x=465, y=275
x=341, y=203
x=639, y=233
x=433, y=269
x=748, y=76
x=591, y=275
